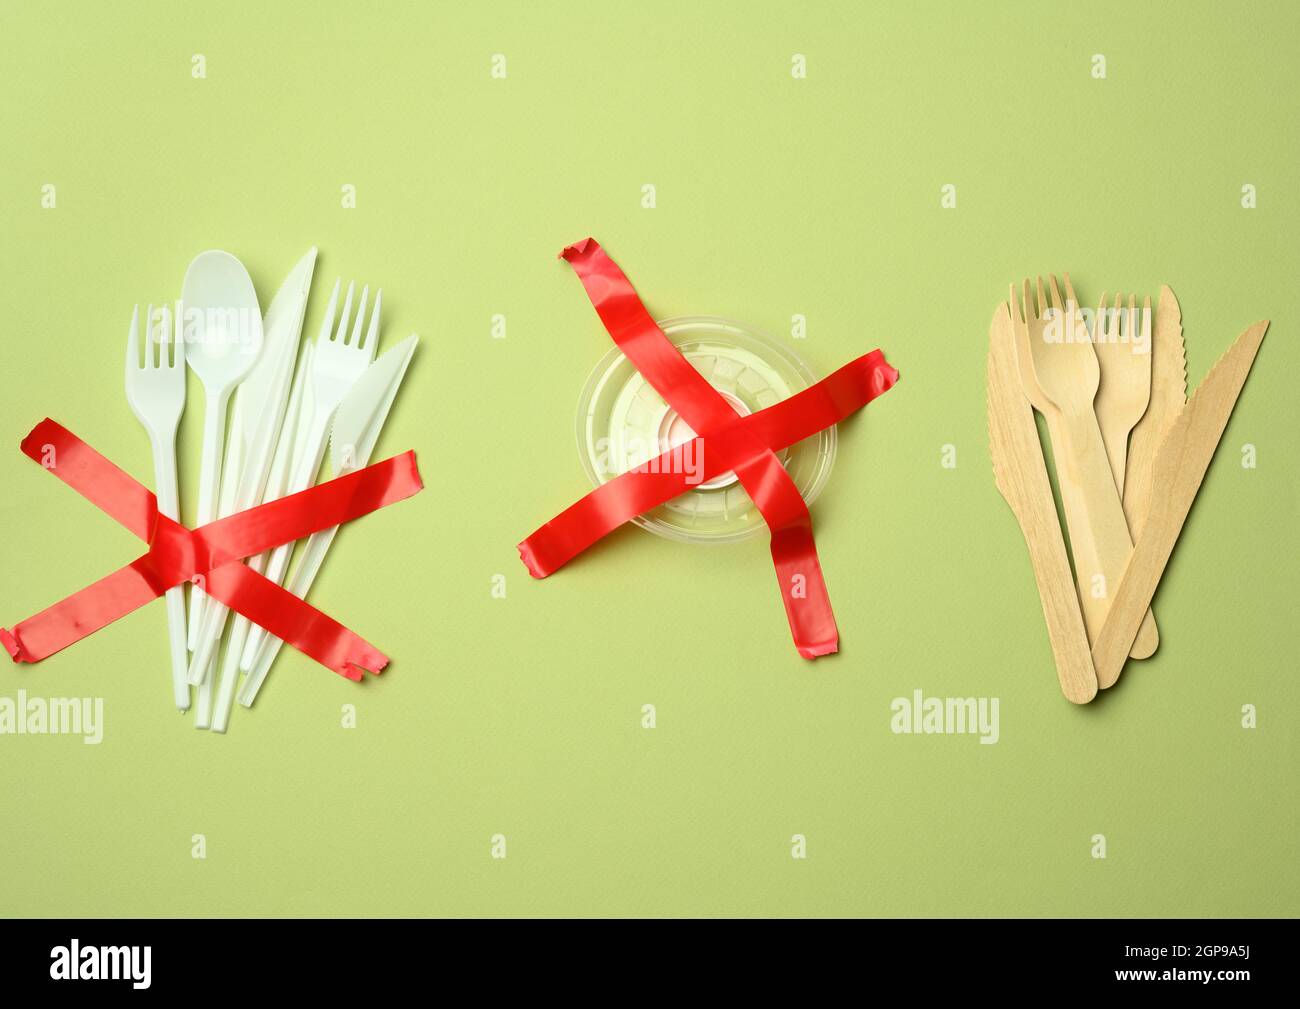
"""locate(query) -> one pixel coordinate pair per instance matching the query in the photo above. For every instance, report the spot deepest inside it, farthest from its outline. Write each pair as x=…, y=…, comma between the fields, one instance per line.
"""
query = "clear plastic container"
x=624, y=423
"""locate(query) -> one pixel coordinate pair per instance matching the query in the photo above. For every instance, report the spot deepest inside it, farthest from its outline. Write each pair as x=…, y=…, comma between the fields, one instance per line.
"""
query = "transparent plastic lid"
x=624, y=423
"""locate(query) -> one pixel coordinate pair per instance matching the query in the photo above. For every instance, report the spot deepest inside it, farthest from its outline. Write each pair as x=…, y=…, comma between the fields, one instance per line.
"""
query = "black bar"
x=368, y=956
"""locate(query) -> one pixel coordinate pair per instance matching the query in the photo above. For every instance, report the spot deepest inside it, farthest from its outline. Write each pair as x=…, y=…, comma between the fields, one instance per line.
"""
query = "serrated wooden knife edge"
x=1168, y=396
x=1180, y=466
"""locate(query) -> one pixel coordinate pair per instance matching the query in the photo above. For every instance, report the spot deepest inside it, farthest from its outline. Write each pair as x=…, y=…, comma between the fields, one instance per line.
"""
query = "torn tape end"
x=817, y=651
x=576, y=249
x=415, y=470
x=884, y=378
x=11, y=644
x=889, y=374
x=530, y=560
x=36, y=437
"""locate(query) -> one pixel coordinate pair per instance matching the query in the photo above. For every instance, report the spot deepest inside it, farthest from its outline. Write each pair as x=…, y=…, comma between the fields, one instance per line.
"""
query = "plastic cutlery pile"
x=290, y=401
x=1130, y=451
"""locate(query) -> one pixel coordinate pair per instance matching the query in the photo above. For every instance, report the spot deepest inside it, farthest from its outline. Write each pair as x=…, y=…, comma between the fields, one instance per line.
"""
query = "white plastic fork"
x=362, y=415
x=337, y=362
x=155, y=388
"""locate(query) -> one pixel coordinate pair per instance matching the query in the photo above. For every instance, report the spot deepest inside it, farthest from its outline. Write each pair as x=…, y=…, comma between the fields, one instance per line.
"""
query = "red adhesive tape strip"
x=214, y=552
x=746, y=445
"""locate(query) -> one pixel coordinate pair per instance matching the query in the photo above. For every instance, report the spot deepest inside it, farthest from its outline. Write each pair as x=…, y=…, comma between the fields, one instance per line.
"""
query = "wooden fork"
x=1124, y=353
x=1060, y=374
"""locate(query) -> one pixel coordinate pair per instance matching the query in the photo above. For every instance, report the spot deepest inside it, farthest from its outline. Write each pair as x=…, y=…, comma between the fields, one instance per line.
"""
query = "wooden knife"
x=1021, y=477
x=1168, y=397
x=1180, y=466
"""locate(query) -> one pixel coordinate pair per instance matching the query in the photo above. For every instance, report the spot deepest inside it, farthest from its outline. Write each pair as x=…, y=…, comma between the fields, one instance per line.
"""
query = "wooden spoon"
x=1066, y=375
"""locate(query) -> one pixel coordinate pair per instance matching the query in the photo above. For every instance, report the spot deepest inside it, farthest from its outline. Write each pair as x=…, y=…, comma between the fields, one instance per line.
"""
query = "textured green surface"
x=775, y=196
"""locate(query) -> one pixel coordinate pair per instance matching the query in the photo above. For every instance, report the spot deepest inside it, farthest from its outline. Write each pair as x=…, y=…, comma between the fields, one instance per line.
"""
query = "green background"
x=775, y=196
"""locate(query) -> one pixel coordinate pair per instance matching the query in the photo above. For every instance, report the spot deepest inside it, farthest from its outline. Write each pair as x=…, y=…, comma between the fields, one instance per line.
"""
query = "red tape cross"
x=747, y=445
x=177, y=554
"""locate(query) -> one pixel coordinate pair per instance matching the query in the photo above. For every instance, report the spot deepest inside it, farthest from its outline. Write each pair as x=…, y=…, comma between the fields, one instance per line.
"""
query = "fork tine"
x=359, y=319
x=1067, y=317
x=1042, y=301
x=165, y=337
x=1024, y=354
x=1099, y=321
x=327, y=323
x=1014, y=304
x=371, y=342
x=133, y=341
x=1146, y=321
x=149, y=351
x=178, y=342
x=159, y=356
x=1069, y=290
x=341, y=332
x=157, y=341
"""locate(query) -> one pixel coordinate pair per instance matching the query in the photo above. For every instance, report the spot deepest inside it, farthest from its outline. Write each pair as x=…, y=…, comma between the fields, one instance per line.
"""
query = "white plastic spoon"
x=223, y=336
x=258, y=410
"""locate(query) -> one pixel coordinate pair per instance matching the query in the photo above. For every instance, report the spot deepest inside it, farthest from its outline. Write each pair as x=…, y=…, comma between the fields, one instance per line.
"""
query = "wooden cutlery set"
x=1130, y=451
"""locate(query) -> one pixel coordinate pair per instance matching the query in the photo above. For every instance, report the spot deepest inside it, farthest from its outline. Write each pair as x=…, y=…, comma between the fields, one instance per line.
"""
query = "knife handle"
x=1021, y=477
x=1100, y=535
x=1060, y=603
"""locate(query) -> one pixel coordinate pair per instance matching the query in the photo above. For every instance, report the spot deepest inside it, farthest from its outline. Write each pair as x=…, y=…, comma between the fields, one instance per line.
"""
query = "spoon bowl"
x=223, y=324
